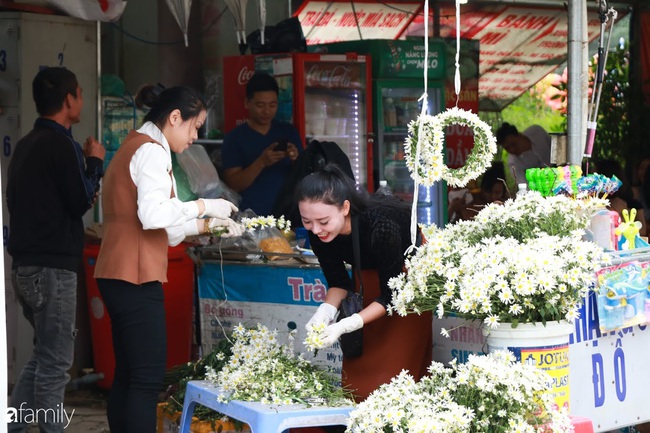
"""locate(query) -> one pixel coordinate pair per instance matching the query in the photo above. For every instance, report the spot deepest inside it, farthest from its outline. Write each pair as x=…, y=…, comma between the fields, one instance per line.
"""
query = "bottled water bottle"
x=522, y=189
x=383, y=188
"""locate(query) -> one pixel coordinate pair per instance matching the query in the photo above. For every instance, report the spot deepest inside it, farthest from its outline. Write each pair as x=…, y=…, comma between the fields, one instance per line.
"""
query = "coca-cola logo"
x=245, y=75
x=328, y=76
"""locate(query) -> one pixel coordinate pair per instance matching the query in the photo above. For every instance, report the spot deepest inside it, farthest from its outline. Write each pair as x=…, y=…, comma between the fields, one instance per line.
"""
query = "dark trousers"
x=140, y=345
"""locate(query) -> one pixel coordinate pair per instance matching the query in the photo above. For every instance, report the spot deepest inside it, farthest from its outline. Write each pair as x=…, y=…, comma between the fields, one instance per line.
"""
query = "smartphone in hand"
x=282, y=145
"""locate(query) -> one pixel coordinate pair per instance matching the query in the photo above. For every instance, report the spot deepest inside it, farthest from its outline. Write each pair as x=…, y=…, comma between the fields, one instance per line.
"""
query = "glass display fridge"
x=326, y=96
x=397, y=81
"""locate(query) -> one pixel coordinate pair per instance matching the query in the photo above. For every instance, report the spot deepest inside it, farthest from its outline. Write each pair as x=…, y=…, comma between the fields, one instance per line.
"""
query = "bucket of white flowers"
x=522, y=269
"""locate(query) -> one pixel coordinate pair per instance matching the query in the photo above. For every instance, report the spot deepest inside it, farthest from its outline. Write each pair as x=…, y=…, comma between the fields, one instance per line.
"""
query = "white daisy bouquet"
x=270, y=234
x=492, y=393
x=261, y=369
x=522, y=262
x=315, y=338
x=259, y=222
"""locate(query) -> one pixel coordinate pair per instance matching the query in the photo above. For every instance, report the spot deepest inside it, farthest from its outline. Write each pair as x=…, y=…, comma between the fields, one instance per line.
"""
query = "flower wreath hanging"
x=431, y=166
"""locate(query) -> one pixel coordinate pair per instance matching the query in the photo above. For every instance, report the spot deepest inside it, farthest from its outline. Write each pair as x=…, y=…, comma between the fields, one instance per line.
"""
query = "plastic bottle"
x=522, y=189
x=384, y=188
x=390, y=116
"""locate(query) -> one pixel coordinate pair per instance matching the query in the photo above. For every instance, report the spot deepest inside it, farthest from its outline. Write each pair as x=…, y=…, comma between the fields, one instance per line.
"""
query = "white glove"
x=217, y=208
x=324, y=314
x=234, y=228
x=333, y=332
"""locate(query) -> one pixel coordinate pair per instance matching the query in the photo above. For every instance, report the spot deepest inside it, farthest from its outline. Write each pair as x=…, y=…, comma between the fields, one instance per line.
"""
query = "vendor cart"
x=244, y=287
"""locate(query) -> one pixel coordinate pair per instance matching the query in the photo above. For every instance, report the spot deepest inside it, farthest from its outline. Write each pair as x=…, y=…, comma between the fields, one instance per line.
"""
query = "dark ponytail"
x=163, y=101
x=331, y=186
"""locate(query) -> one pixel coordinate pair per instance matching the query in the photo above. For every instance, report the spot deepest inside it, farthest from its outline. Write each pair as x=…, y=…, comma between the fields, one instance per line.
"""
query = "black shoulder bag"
x=352, y=343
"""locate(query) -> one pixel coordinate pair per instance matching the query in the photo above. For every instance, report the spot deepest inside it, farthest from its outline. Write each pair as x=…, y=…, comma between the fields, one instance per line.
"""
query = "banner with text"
x=607, y=371
x=282, y=298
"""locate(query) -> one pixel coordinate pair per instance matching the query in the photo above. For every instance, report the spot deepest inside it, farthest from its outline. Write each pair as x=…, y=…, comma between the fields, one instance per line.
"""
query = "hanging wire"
x=457, y=73
x=356, y=19
x=178, y=42
x=423, y=112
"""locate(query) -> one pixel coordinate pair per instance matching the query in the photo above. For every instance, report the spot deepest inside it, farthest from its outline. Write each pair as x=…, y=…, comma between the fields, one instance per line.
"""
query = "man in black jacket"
x=52, y=183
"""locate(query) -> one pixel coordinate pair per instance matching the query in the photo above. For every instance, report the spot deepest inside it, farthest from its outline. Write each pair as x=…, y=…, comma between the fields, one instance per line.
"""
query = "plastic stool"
x=262, y=418
x=582, y=424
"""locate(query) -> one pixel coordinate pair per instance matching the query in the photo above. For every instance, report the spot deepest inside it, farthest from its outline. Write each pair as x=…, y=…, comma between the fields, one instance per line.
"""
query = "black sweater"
x=384, y=236
x=50, y=187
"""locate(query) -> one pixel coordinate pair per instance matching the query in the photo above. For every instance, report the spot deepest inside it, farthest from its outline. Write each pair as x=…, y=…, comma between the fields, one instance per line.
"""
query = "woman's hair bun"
x=148, y=95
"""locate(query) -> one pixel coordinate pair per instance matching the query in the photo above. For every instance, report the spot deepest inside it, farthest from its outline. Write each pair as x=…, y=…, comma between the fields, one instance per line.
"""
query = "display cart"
x=608, y=376
x=240, y=287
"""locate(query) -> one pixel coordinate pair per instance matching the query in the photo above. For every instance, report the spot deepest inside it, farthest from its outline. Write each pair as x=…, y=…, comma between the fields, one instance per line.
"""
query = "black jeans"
x=140, y=345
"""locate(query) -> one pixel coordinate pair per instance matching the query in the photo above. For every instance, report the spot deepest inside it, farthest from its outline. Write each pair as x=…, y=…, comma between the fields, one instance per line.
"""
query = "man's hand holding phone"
x=282, y=145
x=287, y=148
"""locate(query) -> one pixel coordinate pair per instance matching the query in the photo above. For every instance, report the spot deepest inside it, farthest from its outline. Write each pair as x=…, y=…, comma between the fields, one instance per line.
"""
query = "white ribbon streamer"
x=424, y=111
x=457, y=74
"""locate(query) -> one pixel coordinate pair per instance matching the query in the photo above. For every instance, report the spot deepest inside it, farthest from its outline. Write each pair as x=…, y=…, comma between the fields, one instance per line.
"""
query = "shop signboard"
x=280, y=297
x=325, y=21
x=519, y=44
x=608, y=374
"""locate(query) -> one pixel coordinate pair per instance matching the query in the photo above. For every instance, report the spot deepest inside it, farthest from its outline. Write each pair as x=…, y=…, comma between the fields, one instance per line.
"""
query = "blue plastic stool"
x=262, y=418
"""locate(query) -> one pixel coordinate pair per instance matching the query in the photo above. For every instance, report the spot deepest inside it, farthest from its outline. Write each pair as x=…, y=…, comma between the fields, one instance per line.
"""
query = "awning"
x=519, y=44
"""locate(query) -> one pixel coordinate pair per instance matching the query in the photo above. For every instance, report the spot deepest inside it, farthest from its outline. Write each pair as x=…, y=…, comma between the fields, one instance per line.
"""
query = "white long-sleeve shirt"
x=151, y=171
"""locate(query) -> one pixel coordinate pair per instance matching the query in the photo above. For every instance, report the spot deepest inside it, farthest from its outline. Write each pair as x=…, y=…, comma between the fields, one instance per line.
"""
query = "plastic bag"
x=202, y=175
x=271, y=240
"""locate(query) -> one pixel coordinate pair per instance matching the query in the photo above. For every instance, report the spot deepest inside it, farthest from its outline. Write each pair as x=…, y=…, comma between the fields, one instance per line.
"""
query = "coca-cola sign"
x=244, y=75
x=334, y=76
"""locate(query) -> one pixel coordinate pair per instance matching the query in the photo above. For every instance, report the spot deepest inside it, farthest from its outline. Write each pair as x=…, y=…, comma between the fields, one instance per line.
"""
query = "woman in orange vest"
x=142, y=216
x=335, y=211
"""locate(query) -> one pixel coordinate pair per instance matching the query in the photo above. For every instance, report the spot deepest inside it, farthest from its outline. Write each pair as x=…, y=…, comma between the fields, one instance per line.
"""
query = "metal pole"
x=577, y=80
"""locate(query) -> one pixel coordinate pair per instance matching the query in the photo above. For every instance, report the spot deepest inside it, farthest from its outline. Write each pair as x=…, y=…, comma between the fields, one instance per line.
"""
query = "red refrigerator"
x=326, y=96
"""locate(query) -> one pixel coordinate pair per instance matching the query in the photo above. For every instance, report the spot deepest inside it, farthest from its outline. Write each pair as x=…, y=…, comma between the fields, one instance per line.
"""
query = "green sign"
x=405, y=59
x=394, y=58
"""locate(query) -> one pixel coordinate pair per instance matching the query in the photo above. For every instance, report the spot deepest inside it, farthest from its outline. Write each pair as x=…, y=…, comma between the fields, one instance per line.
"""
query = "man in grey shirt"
x=528, y=149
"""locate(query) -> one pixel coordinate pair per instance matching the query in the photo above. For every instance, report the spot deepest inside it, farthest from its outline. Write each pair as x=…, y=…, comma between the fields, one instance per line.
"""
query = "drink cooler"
x=179, y=298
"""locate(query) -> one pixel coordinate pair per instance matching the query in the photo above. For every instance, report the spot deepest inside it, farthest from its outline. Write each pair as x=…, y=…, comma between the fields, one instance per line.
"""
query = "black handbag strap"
x=356, y=251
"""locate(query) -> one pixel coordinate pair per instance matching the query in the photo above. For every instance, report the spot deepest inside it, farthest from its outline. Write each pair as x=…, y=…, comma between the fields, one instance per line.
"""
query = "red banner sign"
x=519, y=45
x=325, y=21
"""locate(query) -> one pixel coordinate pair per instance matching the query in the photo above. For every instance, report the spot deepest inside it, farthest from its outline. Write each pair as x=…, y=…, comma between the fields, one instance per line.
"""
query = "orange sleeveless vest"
x=128, y=252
